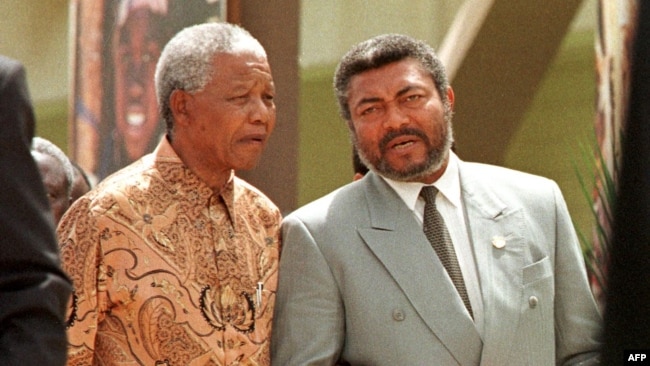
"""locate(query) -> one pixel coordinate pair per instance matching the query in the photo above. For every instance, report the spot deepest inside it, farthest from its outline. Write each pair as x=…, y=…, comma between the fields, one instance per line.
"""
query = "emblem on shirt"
x=225, y=307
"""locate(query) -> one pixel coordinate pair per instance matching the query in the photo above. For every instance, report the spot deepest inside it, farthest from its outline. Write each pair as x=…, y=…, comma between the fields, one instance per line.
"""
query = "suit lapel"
x=499, y=269
x=398, y=241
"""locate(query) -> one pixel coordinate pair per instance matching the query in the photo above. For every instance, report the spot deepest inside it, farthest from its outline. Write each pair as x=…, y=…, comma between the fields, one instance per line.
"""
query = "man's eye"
x=368, y=111
x=239, y=98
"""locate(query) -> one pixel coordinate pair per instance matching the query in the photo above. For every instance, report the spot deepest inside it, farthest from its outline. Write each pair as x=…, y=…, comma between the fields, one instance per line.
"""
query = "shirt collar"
x=448, y=185
x=164, y=153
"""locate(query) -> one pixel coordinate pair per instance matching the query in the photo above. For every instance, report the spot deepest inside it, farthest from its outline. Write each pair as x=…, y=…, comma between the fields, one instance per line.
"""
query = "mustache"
x=404, y=131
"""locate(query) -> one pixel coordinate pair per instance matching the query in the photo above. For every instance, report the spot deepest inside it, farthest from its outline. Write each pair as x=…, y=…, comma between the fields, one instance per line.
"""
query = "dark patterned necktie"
x=438, y=235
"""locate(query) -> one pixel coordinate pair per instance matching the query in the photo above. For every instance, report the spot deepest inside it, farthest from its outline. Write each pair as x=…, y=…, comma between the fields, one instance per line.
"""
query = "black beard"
x=435, y=157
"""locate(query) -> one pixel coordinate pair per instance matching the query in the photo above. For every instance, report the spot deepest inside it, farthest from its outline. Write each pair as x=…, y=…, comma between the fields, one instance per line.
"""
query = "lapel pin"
x=498, y=242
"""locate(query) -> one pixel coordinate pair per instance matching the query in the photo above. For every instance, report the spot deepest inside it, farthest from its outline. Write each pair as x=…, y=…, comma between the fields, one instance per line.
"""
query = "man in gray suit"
x=360, y=283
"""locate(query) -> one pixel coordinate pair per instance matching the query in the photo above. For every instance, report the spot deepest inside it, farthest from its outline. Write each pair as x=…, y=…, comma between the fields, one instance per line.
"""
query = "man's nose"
x=395, y=117
x=260, y=110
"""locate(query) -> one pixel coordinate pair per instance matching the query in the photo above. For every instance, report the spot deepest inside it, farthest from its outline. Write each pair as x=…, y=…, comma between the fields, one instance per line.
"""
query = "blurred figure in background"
x=33, y=290
x=57, y=174
x=627, y=318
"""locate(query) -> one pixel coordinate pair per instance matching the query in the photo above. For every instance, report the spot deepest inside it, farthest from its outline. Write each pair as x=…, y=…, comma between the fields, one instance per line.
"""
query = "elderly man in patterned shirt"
x=174, y=258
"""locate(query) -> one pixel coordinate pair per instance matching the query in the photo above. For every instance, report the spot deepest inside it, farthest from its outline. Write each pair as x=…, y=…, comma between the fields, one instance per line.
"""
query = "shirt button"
x=398, y=315
x=532, y=302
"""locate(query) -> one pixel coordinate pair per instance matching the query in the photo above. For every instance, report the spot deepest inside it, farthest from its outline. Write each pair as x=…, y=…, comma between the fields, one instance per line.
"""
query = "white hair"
x=47, y=147
x=186, y=61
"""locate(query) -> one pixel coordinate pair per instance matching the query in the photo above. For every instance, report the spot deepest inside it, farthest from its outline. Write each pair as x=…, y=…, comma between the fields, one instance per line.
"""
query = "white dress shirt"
x=450, y=205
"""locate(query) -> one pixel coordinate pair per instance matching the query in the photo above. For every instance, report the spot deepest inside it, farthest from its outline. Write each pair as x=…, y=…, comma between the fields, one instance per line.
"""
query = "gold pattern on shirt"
x=166, y=270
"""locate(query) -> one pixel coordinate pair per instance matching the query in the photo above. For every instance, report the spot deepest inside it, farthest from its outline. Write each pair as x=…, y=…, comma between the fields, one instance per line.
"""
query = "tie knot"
x=429, y=194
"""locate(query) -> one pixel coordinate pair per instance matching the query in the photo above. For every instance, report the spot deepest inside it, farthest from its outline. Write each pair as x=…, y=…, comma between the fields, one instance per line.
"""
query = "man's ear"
x=179, y=102
x=450, y=97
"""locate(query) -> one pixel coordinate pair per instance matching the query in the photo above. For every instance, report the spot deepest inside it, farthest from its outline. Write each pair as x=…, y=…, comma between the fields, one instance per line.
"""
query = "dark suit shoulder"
x=15, y=101
x=10, y=70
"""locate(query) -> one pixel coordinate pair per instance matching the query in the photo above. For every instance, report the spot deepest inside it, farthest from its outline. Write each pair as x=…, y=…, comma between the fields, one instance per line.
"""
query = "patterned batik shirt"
x=168, y=272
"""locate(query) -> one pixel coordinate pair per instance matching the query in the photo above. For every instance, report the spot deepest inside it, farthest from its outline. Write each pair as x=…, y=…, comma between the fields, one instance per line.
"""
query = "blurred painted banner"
x=616, y=30
x=115, y=47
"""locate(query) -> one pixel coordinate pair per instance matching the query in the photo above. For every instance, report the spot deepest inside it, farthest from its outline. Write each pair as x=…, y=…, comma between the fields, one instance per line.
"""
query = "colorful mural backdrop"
x=616, y=27
x=116, y=44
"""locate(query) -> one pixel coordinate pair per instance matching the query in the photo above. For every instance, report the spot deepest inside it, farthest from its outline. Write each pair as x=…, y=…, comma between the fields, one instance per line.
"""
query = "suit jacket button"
x=398, y=315
x=532, y=302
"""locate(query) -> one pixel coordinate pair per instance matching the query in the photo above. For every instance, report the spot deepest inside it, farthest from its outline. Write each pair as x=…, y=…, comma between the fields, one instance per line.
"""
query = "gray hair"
x=380, y=51
x=186, y=61
x=47, y=147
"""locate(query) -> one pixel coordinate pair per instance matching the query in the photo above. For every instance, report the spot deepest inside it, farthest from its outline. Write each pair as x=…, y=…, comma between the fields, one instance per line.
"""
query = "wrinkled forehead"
x=241, y=60
x=396, y=75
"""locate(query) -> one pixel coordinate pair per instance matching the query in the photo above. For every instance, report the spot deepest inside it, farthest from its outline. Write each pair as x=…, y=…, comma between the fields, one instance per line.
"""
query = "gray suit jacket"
x=360, y=284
